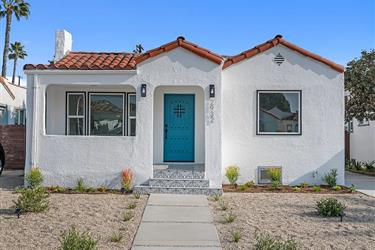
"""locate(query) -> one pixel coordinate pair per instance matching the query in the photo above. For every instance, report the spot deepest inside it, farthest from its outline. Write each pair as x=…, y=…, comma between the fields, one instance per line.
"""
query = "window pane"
x=132, y=127
x=279, y=112
x=76, y=104
x=75, y=126
x=106, y=114
x=132, y=105
x=3, y=116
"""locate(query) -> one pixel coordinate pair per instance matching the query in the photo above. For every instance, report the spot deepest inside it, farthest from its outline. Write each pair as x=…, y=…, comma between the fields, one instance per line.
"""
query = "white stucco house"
x=362, y=140
x=178, y=115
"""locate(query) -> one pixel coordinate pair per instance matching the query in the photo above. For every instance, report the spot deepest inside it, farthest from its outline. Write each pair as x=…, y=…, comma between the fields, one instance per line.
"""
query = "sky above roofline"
x=335, y=29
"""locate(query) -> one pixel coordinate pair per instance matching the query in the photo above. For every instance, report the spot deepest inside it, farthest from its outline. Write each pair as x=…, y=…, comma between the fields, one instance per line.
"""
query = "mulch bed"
x=228, y=188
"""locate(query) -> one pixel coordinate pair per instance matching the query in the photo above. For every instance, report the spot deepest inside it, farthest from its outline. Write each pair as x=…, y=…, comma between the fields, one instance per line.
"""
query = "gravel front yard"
x=294, y=215
x=100, y=214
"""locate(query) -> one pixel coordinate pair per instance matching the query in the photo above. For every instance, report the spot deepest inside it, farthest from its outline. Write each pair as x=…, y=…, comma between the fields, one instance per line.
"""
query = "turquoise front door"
x=179, y=127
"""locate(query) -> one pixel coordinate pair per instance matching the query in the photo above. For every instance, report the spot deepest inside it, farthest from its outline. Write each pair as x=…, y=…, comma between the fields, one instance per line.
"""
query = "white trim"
x=68, y=116
x=134, y=117
x=78, y=72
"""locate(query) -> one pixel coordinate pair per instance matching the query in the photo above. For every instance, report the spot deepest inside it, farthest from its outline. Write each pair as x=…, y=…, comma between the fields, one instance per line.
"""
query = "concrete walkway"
x=177, y=222
x=364, y=183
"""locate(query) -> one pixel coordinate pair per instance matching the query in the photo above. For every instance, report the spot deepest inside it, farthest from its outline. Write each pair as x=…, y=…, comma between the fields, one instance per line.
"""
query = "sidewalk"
x=364, y=183
x=177, y=222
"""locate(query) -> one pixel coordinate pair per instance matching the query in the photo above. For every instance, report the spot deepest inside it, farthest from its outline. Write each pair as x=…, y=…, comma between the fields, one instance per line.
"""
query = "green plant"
x=102, y=189
x=316, y=189
x=250, y=184
x=57, y=189
x=137, y=195
x=296, y=189
x=232, y=173
x=116, y=238
x=352, y=189
x=265, y=241
x=236, y=236
x=32, y=200
x=304, y=185
x=90, y=190
x=229, y=218
x=274, y=174
x=126, y=216
x=223, y=206
x=275, y=185
x=331, y=177
x=330, y=207
x=127, y=179
x=80, y=187
x=242, y=187
x=132, y=205
x=74, y=240
x=337, y=188
x=216, y=197
x=19, y=189
x=34, y=177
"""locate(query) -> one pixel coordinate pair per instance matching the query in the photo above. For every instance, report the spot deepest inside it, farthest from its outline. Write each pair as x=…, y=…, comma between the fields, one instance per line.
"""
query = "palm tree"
x=16, y=52
x=19, y=8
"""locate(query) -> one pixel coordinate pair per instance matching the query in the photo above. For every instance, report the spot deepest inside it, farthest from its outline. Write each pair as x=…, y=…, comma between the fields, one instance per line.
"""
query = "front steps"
x=178, y=179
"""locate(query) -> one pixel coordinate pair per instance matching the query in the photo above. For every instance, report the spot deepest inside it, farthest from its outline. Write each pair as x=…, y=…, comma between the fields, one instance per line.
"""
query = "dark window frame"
x=279, y=91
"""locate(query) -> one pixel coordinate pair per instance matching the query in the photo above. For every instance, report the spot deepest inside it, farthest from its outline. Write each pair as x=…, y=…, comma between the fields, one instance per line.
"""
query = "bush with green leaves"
x=337, y=188
x=34, y=177
x=352, y=189
x=215, y=197
x=223, y=205
x=236, y=236
x=132, y=205
x=275, y=185
x=137, y=195
x=80, y=187
x=127, y=215
x=305, y=185
x=331, y=178
x=116, y=237
x=230, y=217
x=242, y=187
x=32, y=200
x=265, y=241
x=74, y=240
x=330, y=207
x=274, y=174
x=232, y=173
x=250, y=184
x=317, y=189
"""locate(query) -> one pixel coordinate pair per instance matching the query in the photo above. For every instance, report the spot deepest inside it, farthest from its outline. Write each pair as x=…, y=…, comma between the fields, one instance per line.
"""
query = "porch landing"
x=177, y=222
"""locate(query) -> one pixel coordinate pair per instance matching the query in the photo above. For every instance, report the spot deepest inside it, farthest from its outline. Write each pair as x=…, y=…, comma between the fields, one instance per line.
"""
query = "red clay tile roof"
x=181, y=42
x=90, y=61
x=129, y=61
x=272, y=43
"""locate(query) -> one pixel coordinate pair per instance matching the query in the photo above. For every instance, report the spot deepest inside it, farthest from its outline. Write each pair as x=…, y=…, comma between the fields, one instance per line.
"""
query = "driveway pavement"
x=178, y=222
x=364, y=183
x=10, y=179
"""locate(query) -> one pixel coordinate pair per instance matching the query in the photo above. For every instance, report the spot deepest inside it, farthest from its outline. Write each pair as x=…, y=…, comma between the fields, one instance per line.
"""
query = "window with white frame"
x=131, y=114
x=75, y=116
x=278, y=112
x=20, y=117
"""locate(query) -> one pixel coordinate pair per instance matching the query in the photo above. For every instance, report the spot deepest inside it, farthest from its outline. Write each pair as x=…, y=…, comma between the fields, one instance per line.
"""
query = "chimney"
x=63, y=44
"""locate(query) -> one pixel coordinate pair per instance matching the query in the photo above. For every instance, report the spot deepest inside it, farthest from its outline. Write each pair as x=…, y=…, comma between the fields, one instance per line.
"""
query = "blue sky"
x=335, y=29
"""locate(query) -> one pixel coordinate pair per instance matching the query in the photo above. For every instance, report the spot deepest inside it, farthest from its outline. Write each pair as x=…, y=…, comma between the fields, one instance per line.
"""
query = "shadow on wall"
x=316, y=176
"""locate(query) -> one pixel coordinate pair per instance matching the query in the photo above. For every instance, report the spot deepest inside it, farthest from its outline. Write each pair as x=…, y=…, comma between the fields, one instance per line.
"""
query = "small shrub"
x=304, y=185
x=216, y=197
x=250, y=184
x=18, y=190
x=57, y=189
x=331, y=178
x=265, y=241
x=275, y=185
x=317, y=189
x=80, y=187
x=137, y=195
x=132, y=205
x=223, y=206
x=116, y=238
x=296, y=189
x=370, y=166
x=352, y=189
x=34, y=177
x=274, y=174
x=236, y=236
x=229, y=218
x=242, y=187
x=126, y=216
x=127, y=179
x=330, y=207
x=90, y=190
x=232, y=173
x=102, y=189
x=74, y=240
x=32, y=200
x=337, y=188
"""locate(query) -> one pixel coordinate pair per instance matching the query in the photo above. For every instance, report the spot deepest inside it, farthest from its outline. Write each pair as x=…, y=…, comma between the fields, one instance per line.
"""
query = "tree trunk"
x=14, y=70
x=6, y=44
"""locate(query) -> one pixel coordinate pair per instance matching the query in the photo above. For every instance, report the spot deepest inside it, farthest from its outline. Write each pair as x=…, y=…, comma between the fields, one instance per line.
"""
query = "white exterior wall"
x=362, y=142
x=321, y=145
x=12, y=104
x=100, y=159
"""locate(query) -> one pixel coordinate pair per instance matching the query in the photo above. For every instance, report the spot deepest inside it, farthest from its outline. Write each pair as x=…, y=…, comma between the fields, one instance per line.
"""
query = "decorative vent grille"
x=263, y=176
x=278, y=59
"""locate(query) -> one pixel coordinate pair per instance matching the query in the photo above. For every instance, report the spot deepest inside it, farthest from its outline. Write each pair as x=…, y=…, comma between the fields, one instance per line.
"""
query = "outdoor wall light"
x=212, y=90
x=143, y=90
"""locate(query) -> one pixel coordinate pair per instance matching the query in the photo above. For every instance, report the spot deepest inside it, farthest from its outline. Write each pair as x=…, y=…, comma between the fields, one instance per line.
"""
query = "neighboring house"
x=12, y=123
x=362, y=140
x=180, y=111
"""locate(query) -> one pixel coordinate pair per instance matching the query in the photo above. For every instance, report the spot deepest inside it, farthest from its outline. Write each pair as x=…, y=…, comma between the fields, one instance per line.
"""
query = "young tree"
x=360, y=84
x=16, y=52
x=19, y=8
